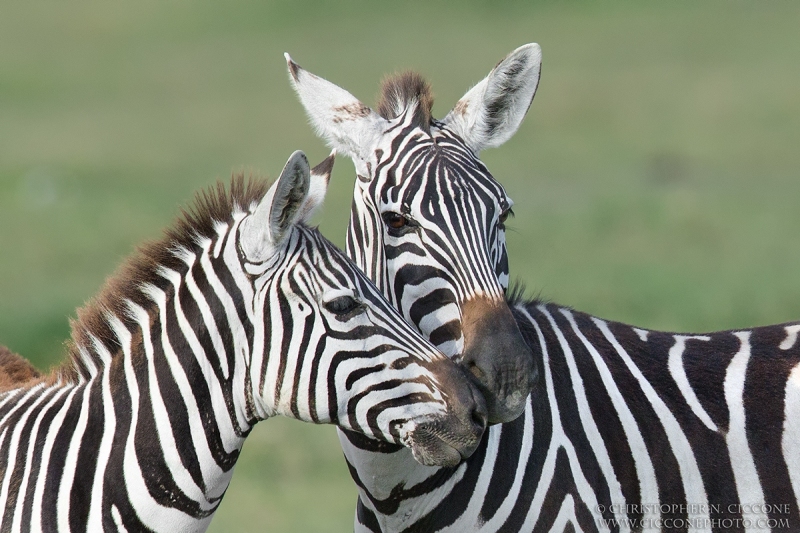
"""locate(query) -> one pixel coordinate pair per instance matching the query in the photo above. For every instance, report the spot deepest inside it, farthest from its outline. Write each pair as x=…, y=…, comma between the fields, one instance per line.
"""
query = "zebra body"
x=239, y=314
x=627, y=430
x=620, y=422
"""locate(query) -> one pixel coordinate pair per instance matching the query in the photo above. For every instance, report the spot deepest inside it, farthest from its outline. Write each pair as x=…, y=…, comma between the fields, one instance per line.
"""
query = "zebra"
x=442, y=264
x=240, y=313
x=625, y=429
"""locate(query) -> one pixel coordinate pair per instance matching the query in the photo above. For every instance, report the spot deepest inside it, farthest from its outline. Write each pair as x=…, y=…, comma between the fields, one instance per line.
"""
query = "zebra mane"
x=517, y=294
x=15, y=370
x=407, y=91
x=210, y=207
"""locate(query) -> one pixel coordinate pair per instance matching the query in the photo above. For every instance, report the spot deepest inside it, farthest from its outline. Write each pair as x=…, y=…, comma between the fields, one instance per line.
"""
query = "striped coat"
x=628, y=430
x=240, y=313
x=624, y=429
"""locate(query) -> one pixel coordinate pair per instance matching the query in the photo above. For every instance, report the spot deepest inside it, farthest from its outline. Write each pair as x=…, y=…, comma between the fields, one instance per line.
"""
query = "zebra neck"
x=153, y=415
x=185, y=322
x=395, y=486
x=118, y=445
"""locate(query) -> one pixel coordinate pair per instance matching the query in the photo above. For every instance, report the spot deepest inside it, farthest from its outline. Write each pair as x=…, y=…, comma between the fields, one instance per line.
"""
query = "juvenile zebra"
x=239, y=313
x=625, y=430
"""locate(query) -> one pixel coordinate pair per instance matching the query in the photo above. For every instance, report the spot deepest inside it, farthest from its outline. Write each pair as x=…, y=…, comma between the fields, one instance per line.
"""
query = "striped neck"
x=179, y=317
x=150, y=419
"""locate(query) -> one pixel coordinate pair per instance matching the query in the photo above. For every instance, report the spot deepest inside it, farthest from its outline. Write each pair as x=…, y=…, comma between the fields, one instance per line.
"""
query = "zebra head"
x=346, y=356
x=427, y=222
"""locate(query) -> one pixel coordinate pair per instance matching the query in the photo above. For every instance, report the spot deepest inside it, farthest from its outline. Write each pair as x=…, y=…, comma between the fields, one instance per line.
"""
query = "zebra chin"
x=449, y=438
x=434, y=445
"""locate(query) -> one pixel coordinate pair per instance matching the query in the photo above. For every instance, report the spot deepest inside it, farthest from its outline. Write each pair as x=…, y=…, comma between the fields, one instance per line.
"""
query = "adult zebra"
x=627, y=429
x=439, y=263
x=240, y=313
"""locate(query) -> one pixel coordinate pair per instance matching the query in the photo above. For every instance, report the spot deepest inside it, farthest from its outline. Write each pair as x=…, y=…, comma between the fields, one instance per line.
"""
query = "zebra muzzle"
x=454, y=436
x=498, y=358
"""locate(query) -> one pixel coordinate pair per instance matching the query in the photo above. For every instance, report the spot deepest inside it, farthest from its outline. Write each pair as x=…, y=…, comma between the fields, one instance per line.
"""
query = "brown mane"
x=15, y=371
x=211, y=206
x=402, y=91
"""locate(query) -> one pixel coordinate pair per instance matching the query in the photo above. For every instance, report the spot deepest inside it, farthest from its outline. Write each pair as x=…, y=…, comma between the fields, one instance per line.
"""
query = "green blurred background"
x=655, y=177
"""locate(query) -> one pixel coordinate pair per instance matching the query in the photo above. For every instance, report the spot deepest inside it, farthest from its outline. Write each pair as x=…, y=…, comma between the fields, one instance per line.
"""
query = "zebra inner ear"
x=266, y=228
x=491, y=112
x=291, y=191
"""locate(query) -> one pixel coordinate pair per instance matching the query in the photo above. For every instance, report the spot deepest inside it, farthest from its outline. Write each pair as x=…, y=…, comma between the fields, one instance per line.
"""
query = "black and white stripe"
x=427, y=217
x=628, y=430
x=625, y=429
x=239, y=314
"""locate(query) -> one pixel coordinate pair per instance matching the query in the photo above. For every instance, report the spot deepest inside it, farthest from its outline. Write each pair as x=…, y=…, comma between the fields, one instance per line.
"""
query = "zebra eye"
x=394, y=220
x=343, y=305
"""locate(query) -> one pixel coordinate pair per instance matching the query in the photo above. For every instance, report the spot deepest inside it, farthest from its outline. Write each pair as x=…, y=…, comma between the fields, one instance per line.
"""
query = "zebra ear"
x=266, y=228
x=490, y=113
x=337, y=116
x=318, y=186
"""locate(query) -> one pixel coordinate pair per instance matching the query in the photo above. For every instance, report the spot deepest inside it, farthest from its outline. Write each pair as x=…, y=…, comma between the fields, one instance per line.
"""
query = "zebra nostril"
x=479, y=418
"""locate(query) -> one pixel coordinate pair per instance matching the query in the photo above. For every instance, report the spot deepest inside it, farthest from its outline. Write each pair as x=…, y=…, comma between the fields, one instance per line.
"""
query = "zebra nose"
x=472, y=409
x=469, y=414
x=475, y=417
x=479, y=414
x=498, y=359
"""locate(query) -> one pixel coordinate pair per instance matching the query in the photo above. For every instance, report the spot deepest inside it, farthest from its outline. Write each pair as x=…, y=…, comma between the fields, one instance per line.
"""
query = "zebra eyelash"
x=398, y=224
x=345, y=307
x=504, y=216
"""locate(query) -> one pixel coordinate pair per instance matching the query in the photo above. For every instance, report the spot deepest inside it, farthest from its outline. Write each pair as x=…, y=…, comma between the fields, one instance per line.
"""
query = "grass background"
x=656, y=177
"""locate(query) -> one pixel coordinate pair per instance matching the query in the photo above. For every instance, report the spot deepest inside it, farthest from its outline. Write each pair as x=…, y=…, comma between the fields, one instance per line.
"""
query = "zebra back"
x=15, y=370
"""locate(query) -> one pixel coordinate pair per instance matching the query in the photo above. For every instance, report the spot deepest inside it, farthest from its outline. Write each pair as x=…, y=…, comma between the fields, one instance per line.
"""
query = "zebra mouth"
x=433, y=446
x=449, y=438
